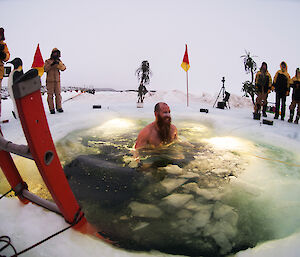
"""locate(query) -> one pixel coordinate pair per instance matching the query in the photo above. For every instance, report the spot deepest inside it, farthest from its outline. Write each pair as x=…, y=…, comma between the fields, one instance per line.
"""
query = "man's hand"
x=54, y=62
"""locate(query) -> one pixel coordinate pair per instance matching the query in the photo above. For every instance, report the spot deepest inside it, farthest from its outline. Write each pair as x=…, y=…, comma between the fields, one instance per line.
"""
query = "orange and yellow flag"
x=185, y=63
x=38, y=62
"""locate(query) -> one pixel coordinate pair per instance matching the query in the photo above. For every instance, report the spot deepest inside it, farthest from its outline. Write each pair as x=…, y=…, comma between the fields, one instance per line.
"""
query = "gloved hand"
x=2, y=55
x=55, y=62
x=1, y=47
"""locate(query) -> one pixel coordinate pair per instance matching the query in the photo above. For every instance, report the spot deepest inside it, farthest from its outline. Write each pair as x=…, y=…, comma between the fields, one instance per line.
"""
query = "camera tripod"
x=225, y=95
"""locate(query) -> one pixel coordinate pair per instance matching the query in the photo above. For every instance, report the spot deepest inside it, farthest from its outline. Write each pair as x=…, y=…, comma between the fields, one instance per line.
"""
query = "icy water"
x=204, y=196
x=207, y=195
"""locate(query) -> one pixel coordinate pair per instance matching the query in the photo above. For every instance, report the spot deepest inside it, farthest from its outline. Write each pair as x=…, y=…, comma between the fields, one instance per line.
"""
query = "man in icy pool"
x=160, y=131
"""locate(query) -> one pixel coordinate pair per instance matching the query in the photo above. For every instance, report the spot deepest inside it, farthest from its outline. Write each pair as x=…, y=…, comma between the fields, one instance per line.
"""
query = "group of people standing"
x=282, y=84
x=53, y=66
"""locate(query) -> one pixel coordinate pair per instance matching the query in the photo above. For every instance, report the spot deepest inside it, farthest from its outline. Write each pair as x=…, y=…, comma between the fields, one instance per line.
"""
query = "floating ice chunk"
x=219, y=171
x=220, y=227
x=223, y=242
x=202, y=217
x=140, y=225
x=207, y=194
x=192, y=205
x=223, y=233
x=170, y=183
x=190, y=175
x=191, y=187
x=177, y=200
x=184, y=214
x=187, y=227
x=144, y=210
x=225, y=213
x=172, y=169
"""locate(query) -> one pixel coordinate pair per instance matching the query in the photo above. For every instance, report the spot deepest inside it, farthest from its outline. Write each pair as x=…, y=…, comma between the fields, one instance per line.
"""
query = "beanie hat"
x=2, y=34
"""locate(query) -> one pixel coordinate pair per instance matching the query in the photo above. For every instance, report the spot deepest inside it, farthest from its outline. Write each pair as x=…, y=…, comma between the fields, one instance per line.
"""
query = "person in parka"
x=281, y=83
x=4, y=57
x=13, y=76
x=52, y=67
x=263, y=86
x=295, y=84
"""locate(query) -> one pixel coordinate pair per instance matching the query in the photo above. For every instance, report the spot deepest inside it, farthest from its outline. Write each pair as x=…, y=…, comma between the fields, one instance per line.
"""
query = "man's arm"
x=47, y=65
x=175, y=133
x=142, y=139
x=61, y=66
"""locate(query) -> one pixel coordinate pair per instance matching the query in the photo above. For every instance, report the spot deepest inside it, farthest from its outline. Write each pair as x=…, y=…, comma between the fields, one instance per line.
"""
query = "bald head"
x=159, y=105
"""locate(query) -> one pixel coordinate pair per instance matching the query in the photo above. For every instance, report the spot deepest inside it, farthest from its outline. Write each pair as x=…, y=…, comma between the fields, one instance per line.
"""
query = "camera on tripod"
x=225, y=100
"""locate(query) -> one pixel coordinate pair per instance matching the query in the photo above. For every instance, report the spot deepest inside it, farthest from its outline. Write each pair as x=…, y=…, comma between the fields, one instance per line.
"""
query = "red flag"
x=185, y=62
x=38, y=62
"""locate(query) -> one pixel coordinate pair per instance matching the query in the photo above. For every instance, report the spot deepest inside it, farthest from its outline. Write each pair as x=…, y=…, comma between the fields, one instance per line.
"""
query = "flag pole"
x=187, y=89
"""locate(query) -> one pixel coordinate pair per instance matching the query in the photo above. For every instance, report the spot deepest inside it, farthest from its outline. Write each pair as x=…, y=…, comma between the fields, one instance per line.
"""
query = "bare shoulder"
x=144, y=136
x=146, y=129
x=173, y=128
x=174, y=131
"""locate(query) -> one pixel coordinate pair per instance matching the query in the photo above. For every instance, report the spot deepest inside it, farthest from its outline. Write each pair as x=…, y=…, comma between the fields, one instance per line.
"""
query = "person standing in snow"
x=52, y=67
x=295, y=84
x=13, y=76
x=281, y=83
x=263, y=86
x=4, y=57
x=160, y=131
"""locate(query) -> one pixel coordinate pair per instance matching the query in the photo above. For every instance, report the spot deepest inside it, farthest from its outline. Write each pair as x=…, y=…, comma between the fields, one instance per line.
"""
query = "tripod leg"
x=217, y=97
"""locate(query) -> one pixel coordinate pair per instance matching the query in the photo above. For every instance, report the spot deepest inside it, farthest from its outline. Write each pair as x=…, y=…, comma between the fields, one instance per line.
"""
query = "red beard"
x=164, y=128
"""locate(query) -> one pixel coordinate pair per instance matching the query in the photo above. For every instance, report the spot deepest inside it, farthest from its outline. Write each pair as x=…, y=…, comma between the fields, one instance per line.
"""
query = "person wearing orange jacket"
x=4, y=57
x=263, y=86
x=295, y=84
x=282, y=88
x=52, y=67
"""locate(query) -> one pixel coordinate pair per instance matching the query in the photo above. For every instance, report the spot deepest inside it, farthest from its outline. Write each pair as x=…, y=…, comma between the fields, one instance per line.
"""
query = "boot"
x=297, y=119
x=256, y=116
x=264, y=111
x=290, y=120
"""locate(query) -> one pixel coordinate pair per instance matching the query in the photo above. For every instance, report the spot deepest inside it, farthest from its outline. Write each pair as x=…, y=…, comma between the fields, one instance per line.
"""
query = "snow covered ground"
x=273, y=153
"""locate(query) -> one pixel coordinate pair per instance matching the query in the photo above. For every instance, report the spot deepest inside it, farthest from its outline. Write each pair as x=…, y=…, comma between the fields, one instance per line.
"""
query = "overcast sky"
x=104, y=42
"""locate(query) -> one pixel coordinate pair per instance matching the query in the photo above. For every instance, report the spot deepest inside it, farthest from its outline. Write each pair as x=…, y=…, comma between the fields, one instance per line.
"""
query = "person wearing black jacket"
x=281, y=84
x=295, y=84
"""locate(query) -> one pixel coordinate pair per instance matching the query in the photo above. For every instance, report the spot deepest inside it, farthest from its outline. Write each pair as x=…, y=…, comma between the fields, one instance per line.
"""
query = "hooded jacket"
x=5, y=50
x=282, y=81
x=263, y=82
x=295, y=84
x=53, y=70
